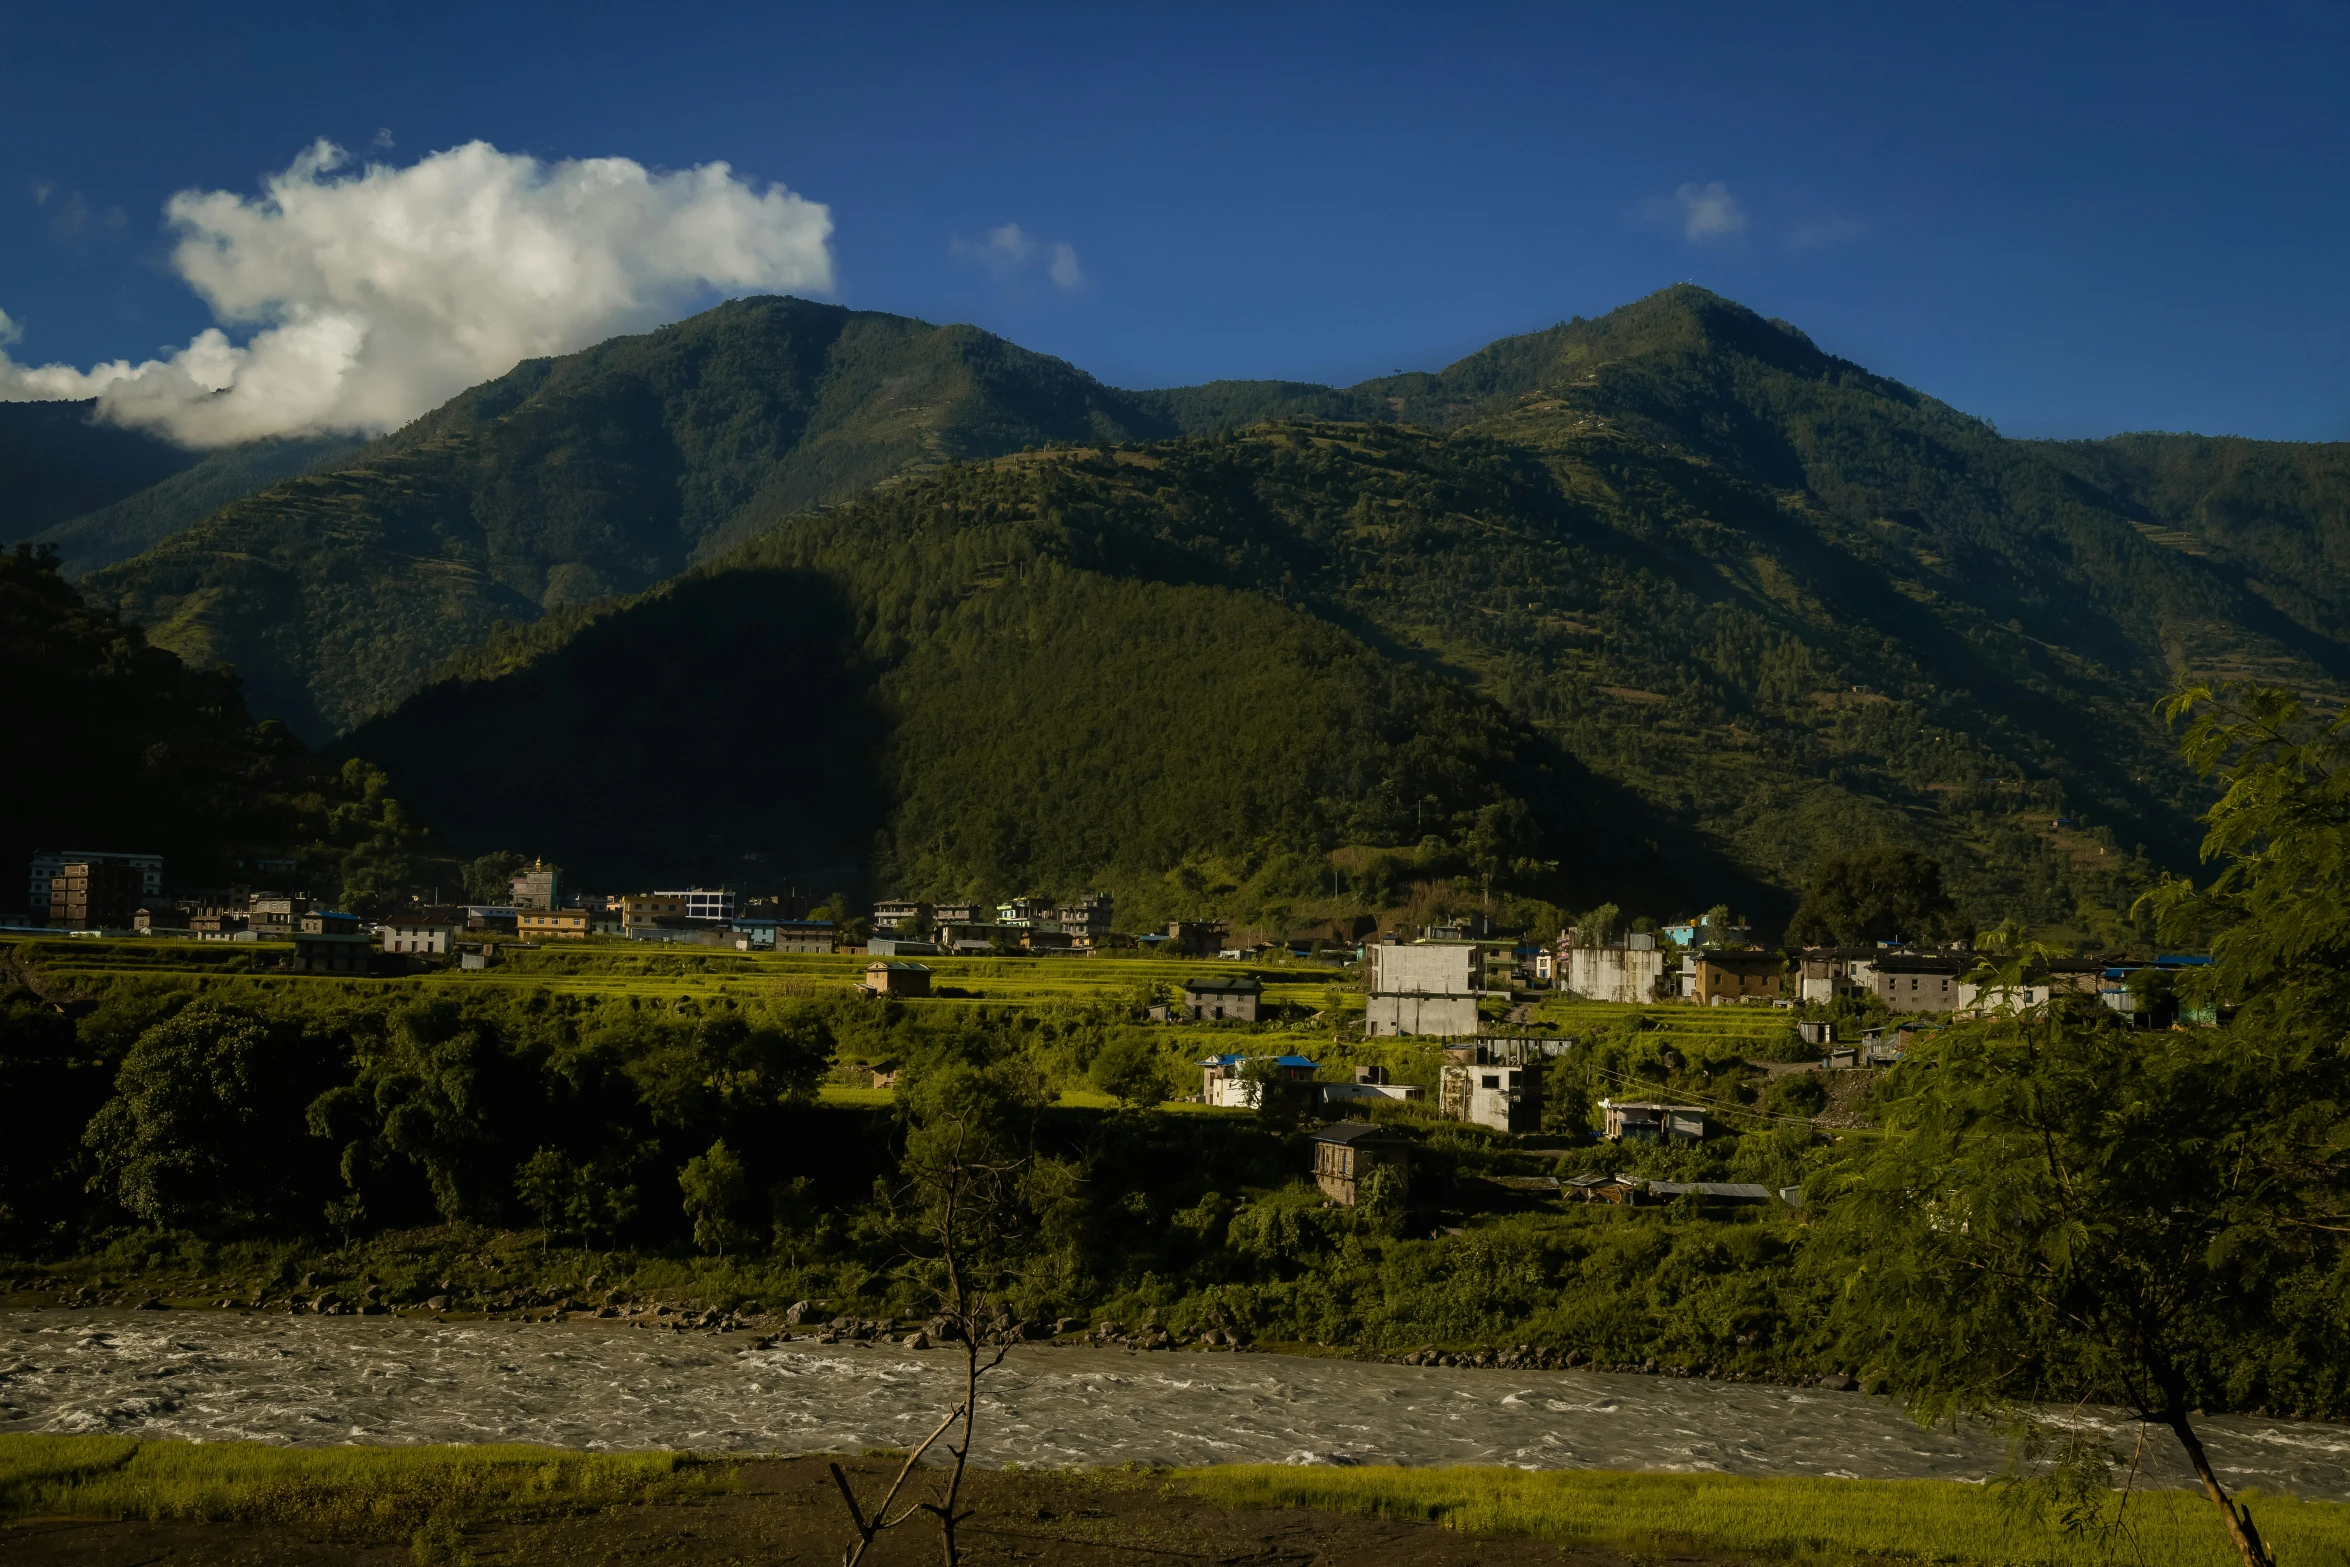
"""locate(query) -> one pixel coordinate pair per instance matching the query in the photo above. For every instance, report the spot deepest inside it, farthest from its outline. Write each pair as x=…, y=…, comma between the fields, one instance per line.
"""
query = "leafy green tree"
x=196, y=1133
x=1567, y=1095
x=368, y=844
x=489, y=878
x=1872, y=895
x=547, y=1183
x=717, y=1191
x=2062, y=1209
x=1598, y=927
x=1128, y=1069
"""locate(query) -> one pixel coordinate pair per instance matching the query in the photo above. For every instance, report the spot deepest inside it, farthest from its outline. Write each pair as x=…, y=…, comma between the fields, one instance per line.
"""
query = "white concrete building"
x=1423, y=988
x=425, y=938
x=1626, y=972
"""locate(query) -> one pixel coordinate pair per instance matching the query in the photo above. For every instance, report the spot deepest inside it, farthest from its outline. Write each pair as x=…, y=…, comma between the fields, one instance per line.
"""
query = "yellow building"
x=1737, y=976
x=646, y=910
x=551, y=924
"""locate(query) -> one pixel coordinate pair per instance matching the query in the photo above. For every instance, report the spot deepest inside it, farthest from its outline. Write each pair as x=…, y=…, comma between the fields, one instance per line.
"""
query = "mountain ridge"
x=1777, y=603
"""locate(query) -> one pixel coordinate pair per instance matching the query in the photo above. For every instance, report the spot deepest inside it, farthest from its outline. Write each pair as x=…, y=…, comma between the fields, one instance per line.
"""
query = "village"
x=1464, y=989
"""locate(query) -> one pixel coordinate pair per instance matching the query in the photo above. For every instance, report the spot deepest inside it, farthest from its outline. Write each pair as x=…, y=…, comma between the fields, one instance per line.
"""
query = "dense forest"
x=125, y=747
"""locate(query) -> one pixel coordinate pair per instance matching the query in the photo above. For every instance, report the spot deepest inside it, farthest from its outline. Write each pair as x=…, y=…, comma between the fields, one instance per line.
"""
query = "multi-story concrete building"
x=1421, y=988
x=536, y=888
x=1234, y=998
x=1723, y=976
x=1197, y=938
x=904, y=916
x=49, y=864
x=1629, y=970
x=421, y=937
x=704, y=905
x=1920, y=981
x=275, y=916
x=1828, y=974
x=1494, y=1083
x=94, y=895
x=551, y=924
x=651, y=910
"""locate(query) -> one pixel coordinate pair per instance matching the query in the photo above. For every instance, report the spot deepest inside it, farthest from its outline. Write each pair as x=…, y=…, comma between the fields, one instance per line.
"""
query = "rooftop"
x=1354, y=1132
x=1231, y=985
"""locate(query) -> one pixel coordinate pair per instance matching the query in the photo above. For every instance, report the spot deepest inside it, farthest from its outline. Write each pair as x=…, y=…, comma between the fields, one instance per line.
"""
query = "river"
x=224, y=1376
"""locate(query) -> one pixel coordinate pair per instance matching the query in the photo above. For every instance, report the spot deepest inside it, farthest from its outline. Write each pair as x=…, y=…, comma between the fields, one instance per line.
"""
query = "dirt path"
x=788, y=1513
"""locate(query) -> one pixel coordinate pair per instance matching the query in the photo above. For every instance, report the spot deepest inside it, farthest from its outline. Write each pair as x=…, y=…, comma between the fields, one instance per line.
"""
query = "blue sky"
x=2072, y=221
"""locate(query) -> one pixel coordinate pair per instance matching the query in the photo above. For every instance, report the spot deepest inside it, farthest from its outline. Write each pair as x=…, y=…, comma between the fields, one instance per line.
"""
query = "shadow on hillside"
x=1614, y=844
x=719, y=733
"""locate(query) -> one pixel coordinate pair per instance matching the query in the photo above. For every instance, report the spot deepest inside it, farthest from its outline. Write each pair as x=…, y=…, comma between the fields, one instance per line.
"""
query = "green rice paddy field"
x=1319, y=1004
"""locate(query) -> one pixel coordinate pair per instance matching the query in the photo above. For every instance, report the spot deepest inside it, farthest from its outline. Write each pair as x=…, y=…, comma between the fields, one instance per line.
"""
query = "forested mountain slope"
x=2273, y=516
x=144, y=519
x=602, y=472
x=1735, y=603
x=57, y=462
x=942, y=686
x=123, y=747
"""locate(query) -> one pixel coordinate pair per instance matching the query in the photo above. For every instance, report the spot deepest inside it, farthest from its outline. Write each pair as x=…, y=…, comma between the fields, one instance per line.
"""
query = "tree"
x=1598, y=927
x=970, y=1214
x=1870, y=895
x=489, y=879
x=716, y=1190
x=1127, y=1068
x=2062, y=1208
x=203, y=1127
x=589, y=1197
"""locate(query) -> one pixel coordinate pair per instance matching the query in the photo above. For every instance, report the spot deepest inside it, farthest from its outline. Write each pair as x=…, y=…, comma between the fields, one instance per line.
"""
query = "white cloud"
x=1009, y=252
x=381, y=294
x=1708, y=212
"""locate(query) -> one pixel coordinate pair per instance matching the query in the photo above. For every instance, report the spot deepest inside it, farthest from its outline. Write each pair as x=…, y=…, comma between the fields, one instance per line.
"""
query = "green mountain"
x=127, y=749
x=146, y=518
x=57, y=462
x=1670, y=601
x=2273, y=517
x=601, y=473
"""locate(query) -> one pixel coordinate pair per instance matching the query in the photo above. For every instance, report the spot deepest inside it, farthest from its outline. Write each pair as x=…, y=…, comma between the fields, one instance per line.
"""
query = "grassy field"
x=371, y=1493
x=630, y=969
x=422, y=1493
x=1815, y=1520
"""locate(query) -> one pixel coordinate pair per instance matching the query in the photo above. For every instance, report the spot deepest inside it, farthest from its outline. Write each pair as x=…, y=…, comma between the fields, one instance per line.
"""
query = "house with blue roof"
x=1223, y=1081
